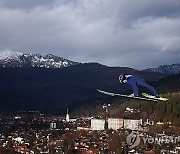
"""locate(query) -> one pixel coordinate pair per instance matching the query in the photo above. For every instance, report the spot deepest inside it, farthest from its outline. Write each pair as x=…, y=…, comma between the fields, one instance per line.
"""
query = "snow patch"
x=8, y=54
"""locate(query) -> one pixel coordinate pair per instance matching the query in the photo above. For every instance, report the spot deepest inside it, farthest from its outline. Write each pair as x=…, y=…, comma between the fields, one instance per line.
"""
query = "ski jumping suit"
x=134, y=81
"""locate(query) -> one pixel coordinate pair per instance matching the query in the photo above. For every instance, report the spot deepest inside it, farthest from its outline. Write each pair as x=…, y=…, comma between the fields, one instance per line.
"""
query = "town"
x=34, y=132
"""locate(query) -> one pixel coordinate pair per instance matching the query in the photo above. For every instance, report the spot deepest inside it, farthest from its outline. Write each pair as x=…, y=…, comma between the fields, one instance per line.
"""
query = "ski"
x=153, y=97
x=127, y=96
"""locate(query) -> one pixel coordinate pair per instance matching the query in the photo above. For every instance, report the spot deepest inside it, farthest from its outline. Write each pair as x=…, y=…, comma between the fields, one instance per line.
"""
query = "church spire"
x=67, y=116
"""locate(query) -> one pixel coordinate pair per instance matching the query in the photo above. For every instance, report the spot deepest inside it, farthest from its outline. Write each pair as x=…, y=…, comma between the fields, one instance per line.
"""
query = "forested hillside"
x=162, y=111
x=52, y=90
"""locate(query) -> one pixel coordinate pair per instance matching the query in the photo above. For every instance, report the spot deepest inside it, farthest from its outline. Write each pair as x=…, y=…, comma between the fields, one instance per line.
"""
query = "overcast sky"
x=133, y=33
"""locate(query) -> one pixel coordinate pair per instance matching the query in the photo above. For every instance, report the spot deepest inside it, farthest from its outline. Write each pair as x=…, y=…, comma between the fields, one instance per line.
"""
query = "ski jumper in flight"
x=134, y=81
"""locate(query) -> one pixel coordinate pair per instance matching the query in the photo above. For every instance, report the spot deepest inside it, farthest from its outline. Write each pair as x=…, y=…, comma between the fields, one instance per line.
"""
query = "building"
x=72, y=120
x=149, y=122
x=83, y=128
x=97, y=124
x=53, y=125
x=115, y=123
x=132, y=124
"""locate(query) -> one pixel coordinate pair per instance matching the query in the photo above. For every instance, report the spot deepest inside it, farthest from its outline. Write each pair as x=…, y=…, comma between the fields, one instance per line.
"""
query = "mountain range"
x=27, y=84
x=167, y=69
x=9, y=58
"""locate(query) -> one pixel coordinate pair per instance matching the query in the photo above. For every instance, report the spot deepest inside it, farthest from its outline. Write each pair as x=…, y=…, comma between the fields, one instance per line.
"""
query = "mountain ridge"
x=13, y=59
x=167, y=69
x=10, y=58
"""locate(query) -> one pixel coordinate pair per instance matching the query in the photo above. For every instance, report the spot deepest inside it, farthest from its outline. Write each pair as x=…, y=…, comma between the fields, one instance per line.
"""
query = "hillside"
x=54, y=89
x=162, y=111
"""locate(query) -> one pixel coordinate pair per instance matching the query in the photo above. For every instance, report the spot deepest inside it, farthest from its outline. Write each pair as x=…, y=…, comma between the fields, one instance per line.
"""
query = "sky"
x=126, y=33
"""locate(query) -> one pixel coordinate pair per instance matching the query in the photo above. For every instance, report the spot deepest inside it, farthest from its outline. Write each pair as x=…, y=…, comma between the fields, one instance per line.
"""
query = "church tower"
x=67, y=116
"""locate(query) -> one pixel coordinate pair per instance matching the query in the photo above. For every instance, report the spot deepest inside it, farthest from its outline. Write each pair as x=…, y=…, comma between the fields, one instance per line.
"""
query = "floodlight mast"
x=105, y=106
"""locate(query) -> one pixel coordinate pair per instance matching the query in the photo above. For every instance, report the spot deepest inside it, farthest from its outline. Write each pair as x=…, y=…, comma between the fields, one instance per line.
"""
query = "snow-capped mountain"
x=167, y=69
x=10, y=58
x=8, y=54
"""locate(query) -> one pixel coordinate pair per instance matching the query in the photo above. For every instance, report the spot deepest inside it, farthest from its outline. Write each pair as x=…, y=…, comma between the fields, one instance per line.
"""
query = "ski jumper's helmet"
x=122, y=78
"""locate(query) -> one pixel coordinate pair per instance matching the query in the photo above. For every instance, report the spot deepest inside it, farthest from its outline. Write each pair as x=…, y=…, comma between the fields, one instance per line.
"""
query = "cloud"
x=130, y=33
x=26, y=4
